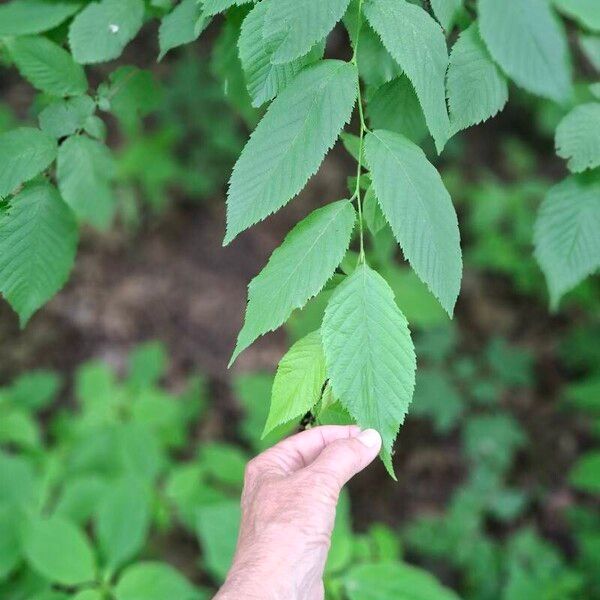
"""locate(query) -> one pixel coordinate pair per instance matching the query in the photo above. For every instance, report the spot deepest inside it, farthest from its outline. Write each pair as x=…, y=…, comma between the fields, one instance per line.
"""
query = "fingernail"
x=369, y=438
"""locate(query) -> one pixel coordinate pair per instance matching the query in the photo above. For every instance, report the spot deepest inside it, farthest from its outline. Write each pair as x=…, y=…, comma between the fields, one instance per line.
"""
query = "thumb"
x=343, y=459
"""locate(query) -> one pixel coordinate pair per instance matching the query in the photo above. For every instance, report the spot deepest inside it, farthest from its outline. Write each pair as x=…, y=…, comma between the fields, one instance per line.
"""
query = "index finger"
x=300, y=450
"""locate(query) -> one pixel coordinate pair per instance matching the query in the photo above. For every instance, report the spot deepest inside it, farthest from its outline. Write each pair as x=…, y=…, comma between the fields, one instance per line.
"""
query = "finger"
x=300, y=450
x=342, y=459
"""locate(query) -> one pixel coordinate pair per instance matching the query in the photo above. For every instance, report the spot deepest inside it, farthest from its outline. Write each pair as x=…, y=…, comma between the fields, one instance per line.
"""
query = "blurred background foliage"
x=130, y=457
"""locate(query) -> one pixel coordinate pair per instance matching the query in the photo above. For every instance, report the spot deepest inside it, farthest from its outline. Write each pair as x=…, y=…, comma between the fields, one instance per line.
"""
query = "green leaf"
x=567, y=244
x=10, y=546
x=24, y=153
x=381, y=581
x=370, y=355
x=89, y=595
x=372, y=212
x=80, y=497
x=477, y=89
x=419, y=209
x=264, y=78
x=297, y=270
x=590, y=45
x=446, y=12
x=290, y=142
x=223, y=463
x=585, y=475
x=217, y=527
x=578, y=137
x=417, y=43
x=47, y=66
x=180, y=26
x=395, y=106
x=528, y=41
x=212, y=7
x=85, y=168
x=35, y=390
x=101, y=31
x=299, y=24
x=147, y=364
x=65, y=117
x=24, y=17
x=586, y=12
x=155, y=581
x=298, y=382
x=122, y=522
x=59, y=551
x=38, y=241
x=18, y=484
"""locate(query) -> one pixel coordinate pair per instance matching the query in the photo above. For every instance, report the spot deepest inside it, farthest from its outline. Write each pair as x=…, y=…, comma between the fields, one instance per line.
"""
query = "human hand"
x=288, y=511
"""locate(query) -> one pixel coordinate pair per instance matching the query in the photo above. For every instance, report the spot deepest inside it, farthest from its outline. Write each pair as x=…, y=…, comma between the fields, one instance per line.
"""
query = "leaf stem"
x=363, y=129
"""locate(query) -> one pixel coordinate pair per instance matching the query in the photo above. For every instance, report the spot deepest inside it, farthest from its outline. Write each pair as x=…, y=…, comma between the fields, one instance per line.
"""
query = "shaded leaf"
x=578, y=137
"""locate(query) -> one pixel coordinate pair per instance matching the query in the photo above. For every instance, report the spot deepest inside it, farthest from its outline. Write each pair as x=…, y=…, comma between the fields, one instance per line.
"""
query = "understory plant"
x=93, y=503
x=415, y=75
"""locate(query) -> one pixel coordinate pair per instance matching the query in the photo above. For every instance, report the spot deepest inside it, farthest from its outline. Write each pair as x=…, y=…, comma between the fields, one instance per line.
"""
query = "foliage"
x=115, y=477
x=403, y=84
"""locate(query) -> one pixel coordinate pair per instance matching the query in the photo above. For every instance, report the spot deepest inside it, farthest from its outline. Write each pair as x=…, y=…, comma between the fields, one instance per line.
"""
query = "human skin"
x=288, y=510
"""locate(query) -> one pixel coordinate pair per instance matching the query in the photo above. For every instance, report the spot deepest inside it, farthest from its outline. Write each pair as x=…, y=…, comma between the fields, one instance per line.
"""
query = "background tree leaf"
x=47, y=66
x=567, y=244
x=24, y=17
x=578, y=137
x=180, y=26
x=85, y=168
x=38, y=241
x=24, y=153
x=101, y=31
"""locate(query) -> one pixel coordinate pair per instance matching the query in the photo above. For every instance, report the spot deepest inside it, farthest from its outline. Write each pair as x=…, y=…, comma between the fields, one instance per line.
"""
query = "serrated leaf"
x=38, y=241
x=299, y=24
x=374, y=62
x=65, y=117
x=567, y=244
x=181, y=26
x=298, y=382
x=380, y=581
x=47, y=66
x=419, y=210
x=446, y=11
x=418, y=44
x=84, y=171
x=290, y=142
x=122, y=522
x=297, y=270
x=395, y=106
x=212, y=7
x=155, y=581
x=101, y=31
x=370, y=355
x=578, y=137
x=528, y=41
x=264, y=78
x=477, y=89
x=24, y=17
x=24, y=153
x=372, y=212
x=586, y=12
x=74, y=564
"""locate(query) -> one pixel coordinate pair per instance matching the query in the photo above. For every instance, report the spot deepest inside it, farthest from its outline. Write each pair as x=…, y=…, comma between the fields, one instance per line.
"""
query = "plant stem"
x=363, y=129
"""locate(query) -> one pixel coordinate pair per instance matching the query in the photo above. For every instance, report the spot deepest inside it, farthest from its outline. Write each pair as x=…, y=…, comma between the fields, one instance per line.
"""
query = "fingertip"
x=371, y=439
